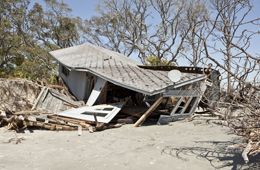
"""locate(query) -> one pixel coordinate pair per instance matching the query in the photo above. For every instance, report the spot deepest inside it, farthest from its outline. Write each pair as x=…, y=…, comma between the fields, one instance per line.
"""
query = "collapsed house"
x=110, y=83
x=108, y=90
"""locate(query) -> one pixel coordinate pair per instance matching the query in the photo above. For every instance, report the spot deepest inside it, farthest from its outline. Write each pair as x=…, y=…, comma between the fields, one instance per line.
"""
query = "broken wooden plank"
x=195, y=104
x=99, y=85
x=177, y=105
x=55, y=124
x=186, y=105
x=53, y=101
x=49, y=126
x=148, y=112
x=71, y=120
x=179, y=93
x=43, y=92
x=29, y=112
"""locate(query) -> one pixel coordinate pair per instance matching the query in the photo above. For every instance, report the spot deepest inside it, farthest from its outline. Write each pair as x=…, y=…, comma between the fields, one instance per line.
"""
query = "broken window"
x=101, y=113
x=184, y=101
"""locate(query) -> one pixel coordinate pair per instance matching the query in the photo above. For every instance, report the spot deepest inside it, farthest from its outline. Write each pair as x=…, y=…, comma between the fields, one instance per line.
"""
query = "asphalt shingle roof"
x=116, y=68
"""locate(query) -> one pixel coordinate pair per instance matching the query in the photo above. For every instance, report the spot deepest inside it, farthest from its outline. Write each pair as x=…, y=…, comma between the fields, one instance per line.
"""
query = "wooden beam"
x=43, y=92
x=186, y=105
x=195, y=104
x=179, y=93
x=177, y=105
x=148, y=112
x=99, y=86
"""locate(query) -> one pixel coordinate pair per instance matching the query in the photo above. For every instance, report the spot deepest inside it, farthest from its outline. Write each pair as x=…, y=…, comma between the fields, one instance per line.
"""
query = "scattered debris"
x=102, y=89
x=242, y=114
x=17, y=94
x=109, y=89
x=100, y=76
x=51, y=100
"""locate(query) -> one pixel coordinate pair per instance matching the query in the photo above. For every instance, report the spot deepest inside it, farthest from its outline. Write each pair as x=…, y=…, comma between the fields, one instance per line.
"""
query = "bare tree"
x=196, y=15
x=171, y=29
x=227, y=40
x=139, y=27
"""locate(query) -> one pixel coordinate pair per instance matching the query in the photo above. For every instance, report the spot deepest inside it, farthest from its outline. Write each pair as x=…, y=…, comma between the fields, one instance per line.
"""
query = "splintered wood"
x=50, y=122
x=25, y=104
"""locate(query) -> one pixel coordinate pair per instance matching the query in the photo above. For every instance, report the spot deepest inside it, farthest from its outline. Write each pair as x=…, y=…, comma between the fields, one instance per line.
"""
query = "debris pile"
x=17, y=94
x=110, y=90
x=25, y=104
x=248, y=126
x=249, y=123
x=30, y=105
x=102, y=89
x=23, y=120
x=108, y=82
x=241, y=113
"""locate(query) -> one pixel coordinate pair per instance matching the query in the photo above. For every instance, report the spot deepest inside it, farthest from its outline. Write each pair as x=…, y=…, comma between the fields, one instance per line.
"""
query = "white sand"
x=146, y=147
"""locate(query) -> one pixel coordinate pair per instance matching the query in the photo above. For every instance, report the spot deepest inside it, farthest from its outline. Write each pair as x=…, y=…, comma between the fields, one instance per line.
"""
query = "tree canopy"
x=157, y=32
x=28, y=34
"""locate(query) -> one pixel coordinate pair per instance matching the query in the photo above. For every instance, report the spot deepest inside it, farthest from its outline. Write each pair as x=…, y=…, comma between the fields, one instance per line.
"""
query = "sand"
x=201, y=146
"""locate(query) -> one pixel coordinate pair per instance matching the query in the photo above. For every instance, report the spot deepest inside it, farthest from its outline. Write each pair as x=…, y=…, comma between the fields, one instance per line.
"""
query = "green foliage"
x=156, y=61
x=27, y=34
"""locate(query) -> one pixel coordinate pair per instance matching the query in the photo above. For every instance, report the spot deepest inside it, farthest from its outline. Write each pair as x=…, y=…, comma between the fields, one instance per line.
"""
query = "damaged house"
x=112, y=85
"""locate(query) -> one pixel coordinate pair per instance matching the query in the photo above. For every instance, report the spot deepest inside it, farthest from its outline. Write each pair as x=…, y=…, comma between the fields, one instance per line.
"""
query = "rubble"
x=26, y=104
x=18, y=94
x=100, y=76
x=100, y=88
x=242, y=114
x=99, y=94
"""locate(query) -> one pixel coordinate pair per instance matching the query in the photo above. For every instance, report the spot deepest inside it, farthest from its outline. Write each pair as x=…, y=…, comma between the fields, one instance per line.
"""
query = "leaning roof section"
x=88, y=55
x=118, y=69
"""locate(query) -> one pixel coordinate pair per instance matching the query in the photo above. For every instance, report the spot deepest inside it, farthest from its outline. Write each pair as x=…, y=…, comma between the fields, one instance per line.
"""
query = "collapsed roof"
x=119, y=69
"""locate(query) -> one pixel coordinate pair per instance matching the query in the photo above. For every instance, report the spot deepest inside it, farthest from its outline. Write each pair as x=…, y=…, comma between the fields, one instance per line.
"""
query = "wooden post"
x=141, y=120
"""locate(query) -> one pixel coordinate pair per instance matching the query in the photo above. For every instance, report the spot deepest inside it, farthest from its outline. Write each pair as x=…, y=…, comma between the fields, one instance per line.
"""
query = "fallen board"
x=140, y=121
x=99, y=85
x=101, y=113
x=53, y=101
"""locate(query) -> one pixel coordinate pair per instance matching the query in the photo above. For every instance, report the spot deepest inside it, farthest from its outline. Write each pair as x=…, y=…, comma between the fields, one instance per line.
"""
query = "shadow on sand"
x=219, y=155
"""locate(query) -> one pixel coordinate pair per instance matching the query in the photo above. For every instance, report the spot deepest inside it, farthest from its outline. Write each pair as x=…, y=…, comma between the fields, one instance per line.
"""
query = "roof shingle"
x=116, y=68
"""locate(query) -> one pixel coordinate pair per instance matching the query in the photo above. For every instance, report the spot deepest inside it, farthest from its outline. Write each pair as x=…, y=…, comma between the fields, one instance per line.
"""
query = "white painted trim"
x=78, y=113
x=99, y=85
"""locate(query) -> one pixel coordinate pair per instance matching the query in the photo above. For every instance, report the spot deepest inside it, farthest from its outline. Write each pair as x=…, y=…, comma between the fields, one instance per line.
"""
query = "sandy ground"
x=200, y=146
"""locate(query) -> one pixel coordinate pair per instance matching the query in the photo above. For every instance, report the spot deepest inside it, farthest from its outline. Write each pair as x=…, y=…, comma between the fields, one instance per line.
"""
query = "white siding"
x=76, y=81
